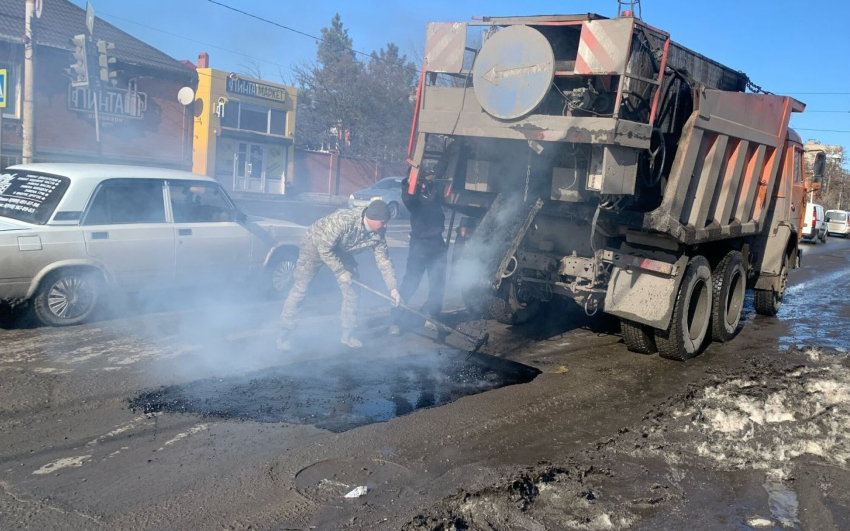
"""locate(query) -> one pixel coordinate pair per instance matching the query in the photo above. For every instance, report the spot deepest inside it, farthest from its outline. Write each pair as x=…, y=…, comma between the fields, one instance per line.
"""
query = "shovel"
x=477, y=342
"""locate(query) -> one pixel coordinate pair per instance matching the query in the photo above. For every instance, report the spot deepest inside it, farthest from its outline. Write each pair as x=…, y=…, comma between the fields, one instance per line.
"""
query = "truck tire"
x=769, y=301
x=67, y=297
x=689, y=325
x=477, y=303
x=729, y=288
x=638, y=337
x=509, y=309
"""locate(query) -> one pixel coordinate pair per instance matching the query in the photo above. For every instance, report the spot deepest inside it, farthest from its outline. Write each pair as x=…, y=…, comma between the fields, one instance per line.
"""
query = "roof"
x=61, y=20
x=107, y=171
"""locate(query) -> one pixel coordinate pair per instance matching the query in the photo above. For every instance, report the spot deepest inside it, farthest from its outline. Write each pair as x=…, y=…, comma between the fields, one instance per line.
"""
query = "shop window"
x=277, y=123
x=127, y=201
x=13, y=86
x=231, y=115
x=254, y=118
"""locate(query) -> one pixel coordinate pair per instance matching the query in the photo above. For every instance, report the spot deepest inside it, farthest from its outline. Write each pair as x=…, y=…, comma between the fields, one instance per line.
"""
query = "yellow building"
x=244, y=130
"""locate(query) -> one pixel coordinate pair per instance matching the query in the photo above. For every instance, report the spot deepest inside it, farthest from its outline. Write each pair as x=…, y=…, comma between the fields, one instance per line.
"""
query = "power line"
x=305, y=34
x=822, y=130
x=213, y=46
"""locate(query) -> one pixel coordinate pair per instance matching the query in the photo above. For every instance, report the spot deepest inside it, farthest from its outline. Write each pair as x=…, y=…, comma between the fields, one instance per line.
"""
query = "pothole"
x=340, y=393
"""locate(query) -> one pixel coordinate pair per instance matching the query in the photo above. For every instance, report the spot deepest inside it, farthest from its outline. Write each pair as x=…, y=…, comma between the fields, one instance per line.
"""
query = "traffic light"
x=79, y=71
x=105, y=60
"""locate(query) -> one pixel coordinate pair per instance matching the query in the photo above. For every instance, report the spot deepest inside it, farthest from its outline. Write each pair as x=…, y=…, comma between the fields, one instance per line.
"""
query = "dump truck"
x=595, y=159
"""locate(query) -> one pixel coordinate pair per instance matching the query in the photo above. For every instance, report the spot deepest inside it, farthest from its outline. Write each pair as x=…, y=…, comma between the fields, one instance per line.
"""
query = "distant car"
x=70, y=233
x=838, y=223
x=814, y=223
x=389, y=190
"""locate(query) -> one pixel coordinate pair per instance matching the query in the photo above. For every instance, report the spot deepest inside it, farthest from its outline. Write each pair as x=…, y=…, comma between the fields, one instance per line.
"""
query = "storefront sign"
x=257, y=90
x=114, y=105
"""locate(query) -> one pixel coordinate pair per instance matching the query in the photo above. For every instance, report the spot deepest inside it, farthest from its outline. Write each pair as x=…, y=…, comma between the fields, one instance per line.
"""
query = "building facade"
x=142, y=122
x=244, y=131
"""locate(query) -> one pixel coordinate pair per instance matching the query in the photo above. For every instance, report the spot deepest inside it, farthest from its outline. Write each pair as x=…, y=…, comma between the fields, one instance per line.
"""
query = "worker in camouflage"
x=332, y=241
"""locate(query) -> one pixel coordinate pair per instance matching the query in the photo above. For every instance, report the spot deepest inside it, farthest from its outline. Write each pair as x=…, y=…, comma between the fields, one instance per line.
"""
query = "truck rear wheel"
x=729, y=288
x=638, y=337
x=509, y=308
x=689, y=325
x=768, y=301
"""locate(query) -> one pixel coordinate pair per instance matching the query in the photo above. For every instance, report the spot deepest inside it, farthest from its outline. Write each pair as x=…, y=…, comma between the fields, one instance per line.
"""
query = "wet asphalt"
x=183, y=416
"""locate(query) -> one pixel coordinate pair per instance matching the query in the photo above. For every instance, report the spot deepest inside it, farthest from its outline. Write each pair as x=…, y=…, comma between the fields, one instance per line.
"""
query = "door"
x=256, y=168
x=125, y=227
x=210, y=244
x=798, y=193
x=249, y=167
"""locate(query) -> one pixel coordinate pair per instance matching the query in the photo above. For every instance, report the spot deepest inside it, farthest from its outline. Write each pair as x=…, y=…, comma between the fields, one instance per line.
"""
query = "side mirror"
x=241, y=217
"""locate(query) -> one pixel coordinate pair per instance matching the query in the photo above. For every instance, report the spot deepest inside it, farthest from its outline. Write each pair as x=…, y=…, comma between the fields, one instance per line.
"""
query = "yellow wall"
x=213, y=151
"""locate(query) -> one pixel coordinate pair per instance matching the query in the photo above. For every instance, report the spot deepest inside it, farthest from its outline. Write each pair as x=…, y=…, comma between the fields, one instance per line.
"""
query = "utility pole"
x=29, y=88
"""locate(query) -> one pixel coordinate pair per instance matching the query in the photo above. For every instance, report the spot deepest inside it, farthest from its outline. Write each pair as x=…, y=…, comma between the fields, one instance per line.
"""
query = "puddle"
x=816, y=312
x=783, y=504
x=341, y=393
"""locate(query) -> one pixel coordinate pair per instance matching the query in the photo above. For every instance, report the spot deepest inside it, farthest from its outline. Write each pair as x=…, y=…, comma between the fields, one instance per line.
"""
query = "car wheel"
x=689, y=325
x=729, y=287
x=281, y=271
x=67, y=297
x=393, y=210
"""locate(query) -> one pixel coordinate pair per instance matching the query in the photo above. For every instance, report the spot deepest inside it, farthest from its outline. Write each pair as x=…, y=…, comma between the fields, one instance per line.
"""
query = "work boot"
x=350, y=341
x=395, y=330
x=282, y=342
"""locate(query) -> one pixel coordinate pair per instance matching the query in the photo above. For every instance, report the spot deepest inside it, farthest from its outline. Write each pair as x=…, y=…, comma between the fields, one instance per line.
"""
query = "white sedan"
x=69, y=232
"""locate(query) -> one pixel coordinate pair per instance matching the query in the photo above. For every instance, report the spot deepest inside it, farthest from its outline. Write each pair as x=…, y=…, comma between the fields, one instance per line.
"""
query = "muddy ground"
x=554, y=426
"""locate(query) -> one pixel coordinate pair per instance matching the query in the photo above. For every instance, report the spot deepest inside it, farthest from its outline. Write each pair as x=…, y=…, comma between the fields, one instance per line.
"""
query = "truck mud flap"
x=491, y=247
x=642, y=296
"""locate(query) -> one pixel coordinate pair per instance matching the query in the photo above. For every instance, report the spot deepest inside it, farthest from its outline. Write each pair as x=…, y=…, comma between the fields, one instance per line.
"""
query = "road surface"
x=179, y=414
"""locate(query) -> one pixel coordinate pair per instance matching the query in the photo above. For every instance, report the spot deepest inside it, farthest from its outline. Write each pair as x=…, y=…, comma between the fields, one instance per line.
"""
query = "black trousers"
x=424, y=256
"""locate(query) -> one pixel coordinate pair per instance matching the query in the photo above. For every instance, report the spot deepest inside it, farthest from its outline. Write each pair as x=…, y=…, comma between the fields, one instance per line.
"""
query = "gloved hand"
x=345, y=277
x=396, y=297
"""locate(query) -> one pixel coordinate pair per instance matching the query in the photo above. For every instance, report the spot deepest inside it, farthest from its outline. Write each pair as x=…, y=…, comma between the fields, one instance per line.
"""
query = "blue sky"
x=786, y=46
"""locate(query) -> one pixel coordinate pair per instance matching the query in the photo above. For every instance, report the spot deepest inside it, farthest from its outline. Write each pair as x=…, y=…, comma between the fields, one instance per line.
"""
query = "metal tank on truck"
x=598, y=160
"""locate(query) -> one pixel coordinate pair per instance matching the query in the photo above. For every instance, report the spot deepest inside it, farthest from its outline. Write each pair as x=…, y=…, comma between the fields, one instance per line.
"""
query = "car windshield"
x=30, y=196
x=836, y=216
x=387, y=184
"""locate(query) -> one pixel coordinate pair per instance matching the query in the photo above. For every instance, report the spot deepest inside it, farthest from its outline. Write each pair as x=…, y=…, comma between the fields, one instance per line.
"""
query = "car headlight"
x=351, y=197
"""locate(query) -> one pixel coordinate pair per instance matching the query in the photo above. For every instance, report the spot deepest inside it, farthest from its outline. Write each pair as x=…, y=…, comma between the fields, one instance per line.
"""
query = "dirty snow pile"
x=761, y=421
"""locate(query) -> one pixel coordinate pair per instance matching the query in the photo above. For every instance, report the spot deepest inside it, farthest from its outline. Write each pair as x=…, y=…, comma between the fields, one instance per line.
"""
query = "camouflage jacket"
x=343, y=232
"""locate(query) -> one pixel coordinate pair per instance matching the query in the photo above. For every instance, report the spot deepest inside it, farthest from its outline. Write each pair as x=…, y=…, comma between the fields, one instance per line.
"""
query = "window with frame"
x=254, y=118
x=125, y=201
x=798, y=166
x=200, y=202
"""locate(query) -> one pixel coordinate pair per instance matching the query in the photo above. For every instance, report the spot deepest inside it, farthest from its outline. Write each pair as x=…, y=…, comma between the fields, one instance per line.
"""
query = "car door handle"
x=184, y=232
x=100, y=235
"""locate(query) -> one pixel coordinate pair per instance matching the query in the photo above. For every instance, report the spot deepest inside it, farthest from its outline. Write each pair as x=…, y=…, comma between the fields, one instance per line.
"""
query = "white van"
x=814, y=223
x=838, y=223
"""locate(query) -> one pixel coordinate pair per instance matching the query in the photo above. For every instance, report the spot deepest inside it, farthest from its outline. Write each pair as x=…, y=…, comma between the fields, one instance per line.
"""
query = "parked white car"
x=814, y=223
x=70, y=232
x=838, y=223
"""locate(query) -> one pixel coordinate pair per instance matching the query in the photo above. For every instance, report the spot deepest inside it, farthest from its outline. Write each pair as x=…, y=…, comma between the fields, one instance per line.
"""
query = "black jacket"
x=427, y=220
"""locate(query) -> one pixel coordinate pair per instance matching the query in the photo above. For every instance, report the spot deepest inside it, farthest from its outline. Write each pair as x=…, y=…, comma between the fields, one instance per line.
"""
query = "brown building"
x=141, y=120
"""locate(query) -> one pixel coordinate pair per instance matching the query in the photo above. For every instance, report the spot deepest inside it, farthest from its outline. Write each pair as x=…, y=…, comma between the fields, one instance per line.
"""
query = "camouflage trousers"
x=306, y=268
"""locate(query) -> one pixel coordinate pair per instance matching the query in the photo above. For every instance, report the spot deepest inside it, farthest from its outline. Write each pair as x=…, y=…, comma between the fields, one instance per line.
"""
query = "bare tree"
x=251, y=68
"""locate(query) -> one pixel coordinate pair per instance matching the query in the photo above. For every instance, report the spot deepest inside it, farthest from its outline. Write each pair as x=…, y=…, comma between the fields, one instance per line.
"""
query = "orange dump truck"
x=598, y=160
